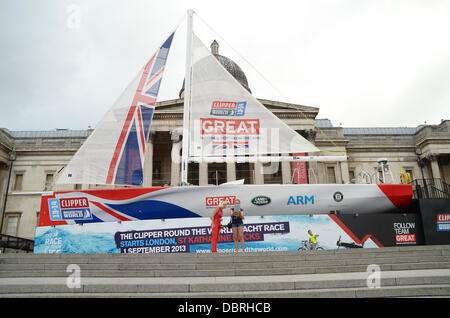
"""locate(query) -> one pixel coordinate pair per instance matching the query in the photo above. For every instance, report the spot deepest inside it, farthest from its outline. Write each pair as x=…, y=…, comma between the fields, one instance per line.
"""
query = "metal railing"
x=430, y=189
x=16, y=243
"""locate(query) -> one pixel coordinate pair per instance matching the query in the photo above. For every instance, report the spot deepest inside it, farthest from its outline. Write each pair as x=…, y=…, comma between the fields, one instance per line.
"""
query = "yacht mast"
x=187, y=99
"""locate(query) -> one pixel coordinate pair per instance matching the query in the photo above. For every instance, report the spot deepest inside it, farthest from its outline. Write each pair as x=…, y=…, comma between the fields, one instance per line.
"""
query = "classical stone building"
x=39, y=155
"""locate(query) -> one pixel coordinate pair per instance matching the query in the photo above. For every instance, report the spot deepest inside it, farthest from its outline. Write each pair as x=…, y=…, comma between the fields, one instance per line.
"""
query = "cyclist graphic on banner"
x=313, y=239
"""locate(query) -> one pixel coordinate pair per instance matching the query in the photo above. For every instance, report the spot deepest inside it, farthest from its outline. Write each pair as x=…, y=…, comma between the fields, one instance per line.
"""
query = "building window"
x=48, y=182
x=37, y=217
x=331, y=174
x=11, y=224
x=217, y=173
x=410, y=173
x=243, y=171
x=77, y=186
x=193, y=173
x=275, y=177
x=18, y=182
x=406, y=176
x=156, y=170
x=351, y=175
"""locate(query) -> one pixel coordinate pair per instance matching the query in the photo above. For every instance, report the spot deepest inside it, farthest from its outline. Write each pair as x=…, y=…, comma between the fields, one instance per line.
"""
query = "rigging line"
x=274, y=87
x=175, y=28
x=180, y=21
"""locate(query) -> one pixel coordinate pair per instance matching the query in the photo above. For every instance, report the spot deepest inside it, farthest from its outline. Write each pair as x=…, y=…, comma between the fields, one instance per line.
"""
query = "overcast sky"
x=363, y=63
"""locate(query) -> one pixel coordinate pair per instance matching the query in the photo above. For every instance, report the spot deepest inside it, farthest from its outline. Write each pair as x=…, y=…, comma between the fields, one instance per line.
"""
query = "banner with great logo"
x=225, y=119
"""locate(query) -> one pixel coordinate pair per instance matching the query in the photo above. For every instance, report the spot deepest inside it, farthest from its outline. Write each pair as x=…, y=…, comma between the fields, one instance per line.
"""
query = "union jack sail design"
x=114, y=152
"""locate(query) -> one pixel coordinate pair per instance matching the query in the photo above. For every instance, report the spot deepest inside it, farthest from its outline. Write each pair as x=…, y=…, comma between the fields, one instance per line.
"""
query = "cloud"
x=362, y=58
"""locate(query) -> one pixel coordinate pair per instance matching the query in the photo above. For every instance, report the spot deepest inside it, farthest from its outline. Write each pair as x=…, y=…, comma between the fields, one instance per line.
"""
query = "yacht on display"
x=222, y=122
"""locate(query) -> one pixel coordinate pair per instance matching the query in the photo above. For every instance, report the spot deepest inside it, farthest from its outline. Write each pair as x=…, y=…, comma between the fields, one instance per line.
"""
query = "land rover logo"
x=338, y=196
x=261, y=200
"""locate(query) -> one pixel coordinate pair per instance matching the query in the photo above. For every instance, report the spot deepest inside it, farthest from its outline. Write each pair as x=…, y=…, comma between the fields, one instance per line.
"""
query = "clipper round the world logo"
x=220, y=108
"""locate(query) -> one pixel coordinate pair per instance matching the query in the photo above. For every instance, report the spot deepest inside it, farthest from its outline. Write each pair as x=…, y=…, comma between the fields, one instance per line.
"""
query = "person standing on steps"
x=237, y=225
x=216, y=219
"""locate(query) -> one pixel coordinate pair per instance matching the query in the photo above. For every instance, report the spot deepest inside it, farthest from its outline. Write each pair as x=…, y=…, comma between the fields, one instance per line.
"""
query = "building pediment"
x=175, y=106
x=281, y=106
x=170, y=106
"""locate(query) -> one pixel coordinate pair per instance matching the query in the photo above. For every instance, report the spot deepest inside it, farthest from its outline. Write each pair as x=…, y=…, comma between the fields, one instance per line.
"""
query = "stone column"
x=231, y=171
x=285, y=171
x=148, y=161
x=203, y=173
x=358, y=170
x=344, y=172
x=175, y=156
x=313, y=172
x=259, y=176
x=322, y=172
x=175, y=168
x=435, y=167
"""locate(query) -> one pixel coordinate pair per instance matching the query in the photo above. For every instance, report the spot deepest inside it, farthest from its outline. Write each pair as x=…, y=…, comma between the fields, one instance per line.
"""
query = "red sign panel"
x=405, y=238
x=214, y=126
x=73, y=203
x=214, y=201
x=300, y=170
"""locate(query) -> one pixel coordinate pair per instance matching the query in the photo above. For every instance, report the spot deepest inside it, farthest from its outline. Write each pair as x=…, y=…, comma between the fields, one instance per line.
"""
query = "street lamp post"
x=12, y=158
x=418, y=152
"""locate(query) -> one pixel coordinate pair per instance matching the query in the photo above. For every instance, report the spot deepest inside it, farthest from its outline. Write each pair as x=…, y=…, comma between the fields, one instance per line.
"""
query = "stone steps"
x=60, y=270
x=420, y=271
x=428, y=291
x=399, y=283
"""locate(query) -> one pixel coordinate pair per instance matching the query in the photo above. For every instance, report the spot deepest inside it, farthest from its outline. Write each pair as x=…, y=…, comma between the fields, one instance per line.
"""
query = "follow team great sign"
x=193, y=235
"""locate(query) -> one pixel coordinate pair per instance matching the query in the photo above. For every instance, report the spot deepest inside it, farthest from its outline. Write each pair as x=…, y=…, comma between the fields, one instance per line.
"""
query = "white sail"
x=114, y=152
x=225, y=119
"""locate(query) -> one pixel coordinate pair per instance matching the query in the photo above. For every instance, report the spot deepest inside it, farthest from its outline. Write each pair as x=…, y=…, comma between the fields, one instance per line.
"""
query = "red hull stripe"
x=399, y=194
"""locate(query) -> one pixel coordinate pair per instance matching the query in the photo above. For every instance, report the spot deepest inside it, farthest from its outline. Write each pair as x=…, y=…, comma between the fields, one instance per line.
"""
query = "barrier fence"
x=16, y=243
x=430, y=189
